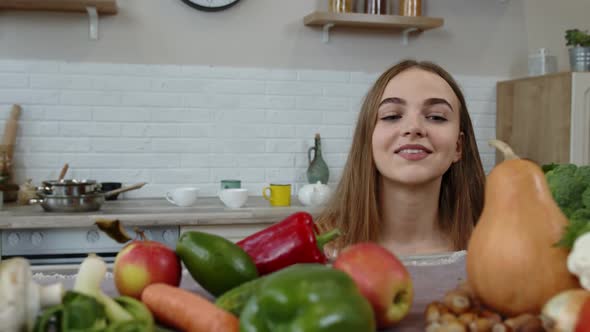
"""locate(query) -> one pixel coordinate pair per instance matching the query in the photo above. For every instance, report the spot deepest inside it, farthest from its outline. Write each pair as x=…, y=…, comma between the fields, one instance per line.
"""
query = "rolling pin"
x=11, y=126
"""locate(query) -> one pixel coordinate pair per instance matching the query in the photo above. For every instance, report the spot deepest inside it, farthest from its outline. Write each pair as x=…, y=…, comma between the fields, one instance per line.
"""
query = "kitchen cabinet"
x=546, y=118
x=407, y=24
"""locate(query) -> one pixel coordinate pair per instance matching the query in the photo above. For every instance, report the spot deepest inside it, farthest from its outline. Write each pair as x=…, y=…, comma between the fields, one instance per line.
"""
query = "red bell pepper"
x=293, y=240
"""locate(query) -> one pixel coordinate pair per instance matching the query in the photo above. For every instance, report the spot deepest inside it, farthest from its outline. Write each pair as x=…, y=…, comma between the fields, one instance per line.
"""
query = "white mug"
x=183, y=196
x=234, y=197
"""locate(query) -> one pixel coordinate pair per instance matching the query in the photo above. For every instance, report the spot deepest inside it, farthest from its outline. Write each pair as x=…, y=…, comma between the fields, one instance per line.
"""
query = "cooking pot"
x=80, y=203
x=83, y=203
x=69, y=187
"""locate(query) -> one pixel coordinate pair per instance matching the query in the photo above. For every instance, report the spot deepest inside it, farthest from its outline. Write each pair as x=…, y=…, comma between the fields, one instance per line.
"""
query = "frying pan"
x=69, y=187
x=80, y=203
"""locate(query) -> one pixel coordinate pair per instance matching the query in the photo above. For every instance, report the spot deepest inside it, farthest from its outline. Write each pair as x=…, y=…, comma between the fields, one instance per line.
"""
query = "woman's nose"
x=414, y=127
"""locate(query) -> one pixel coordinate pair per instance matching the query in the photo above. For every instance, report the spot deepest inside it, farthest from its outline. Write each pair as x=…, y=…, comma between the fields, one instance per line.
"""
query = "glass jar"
x=376, y=7
x=542, y=63
x=410, y=7
x=340, y=6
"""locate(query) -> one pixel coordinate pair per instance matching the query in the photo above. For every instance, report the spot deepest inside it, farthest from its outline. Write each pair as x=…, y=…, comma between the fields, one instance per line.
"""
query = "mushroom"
x=21, y=298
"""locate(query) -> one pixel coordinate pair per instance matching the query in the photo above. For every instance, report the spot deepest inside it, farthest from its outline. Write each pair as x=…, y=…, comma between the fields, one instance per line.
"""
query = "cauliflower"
x=578, y=260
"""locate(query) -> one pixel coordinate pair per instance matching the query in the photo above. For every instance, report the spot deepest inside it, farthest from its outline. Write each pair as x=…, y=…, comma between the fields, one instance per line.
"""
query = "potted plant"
x=579, y=50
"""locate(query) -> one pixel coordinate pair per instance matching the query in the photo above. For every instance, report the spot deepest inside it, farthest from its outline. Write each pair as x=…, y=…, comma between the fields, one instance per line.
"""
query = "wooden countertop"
x=153, y=212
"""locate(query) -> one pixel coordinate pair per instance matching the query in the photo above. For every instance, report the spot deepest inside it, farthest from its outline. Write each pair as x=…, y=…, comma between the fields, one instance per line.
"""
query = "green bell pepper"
x=307, y=298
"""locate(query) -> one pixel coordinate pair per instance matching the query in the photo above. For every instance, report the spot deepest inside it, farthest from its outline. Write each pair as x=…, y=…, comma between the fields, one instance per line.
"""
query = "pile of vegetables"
x=275, y=279
x=250, y=280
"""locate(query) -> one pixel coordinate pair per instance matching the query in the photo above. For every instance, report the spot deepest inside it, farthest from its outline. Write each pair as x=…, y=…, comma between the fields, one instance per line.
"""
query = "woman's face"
x=417, y=136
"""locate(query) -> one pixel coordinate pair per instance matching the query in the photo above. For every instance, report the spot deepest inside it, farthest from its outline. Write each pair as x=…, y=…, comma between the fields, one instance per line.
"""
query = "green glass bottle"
x=317, y=170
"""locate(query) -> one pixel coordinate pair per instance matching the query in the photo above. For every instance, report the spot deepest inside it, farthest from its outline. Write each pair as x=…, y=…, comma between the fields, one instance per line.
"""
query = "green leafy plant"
x=575, y=37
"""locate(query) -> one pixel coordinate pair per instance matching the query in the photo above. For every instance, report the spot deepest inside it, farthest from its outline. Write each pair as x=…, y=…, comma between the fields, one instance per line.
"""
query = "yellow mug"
x=280, y=194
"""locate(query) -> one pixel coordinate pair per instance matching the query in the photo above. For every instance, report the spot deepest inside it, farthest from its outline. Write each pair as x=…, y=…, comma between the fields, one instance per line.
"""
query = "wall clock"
x=211, y=5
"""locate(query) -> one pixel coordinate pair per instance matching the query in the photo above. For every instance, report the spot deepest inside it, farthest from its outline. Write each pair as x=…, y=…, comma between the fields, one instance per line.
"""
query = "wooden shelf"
x=92, y=7
x=407, y=24
x=104, y=7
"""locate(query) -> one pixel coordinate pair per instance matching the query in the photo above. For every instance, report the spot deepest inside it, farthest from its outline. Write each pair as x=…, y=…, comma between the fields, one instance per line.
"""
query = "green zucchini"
x=214, y=262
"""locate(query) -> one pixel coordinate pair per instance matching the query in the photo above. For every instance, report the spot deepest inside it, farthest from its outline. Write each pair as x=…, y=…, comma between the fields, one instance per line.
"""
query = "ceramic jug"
x=317, y=170
x=314, y=194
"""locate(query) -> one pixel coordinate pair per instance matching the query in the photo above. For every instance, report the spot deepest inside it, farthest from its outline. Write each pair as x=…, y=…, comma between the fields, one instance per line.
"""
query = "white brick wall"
x=174, y=125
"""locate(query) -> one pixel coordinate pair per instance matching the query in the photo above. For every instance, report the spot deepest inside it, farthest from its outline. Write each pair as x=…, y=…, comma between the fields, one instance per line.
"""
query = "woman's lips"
x=413, y=152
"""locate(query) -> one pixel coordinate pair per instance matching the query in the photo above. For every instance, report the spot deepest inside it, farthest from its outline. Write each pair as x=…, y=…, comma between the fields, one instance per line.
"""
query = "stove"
x=66, y=246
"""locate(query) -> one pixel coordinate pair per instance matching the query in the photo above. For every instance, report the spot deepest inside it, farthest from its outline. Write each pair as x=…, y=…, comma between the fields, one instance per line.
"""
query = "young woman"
x=413, y=181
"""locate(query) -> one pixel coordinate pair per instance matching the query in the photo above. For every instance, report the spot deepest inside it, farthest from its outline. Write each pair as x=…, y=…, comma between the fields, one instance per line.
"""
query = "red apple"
x=569, y=310
x=382, y=279
x=143, y=262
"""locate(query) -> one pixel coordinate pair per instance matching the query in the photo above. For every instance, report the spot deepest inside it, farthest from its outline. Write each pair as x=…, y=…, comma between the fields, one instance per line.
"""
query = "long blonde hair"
x=354, y=206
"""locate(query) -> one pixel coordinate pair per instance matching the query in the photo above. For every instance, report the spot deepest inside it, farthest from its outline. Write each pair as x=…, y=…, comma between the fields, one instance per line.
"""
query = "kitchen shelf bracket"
x=326, y=32
x=406, y=35
x=93, y=22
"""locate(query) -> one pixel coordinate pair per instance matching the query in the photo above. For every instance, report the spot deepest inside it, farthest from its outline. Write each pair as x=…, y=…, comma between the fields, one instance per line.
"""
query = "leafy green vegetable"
x=547, y=167
x=583, y=174
x=83, y=313
x=138, y=311
x=128, y=326
x=566, y=187
x=581, y=214
x=570, y=187
x=78, y=312
x=575, y=229
x=50, y=315
x=586, y=198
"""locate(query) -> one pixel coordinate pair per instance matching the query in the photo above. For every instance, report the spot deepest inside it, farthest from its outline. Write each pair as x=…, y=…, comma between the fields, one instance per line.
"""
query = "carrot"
x=187, y=311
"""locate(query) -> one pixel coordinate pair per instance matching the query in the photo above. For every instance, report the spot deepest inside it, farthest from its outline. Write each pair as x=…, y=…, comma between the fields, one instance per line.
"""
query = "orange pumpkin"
x=513, y=266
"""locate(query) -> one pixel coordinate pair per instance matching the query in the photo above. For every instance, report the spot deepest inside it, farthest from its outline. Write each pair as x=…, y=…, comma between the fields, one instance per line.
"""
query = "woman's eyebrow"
x=427, y=102
x=436, y=101
x=392, y=100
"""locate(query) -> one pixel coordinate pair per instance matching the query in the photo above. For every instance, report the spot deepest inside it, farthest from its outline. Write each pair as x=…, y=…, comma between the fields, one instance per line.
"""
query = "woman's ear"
x=459, y=148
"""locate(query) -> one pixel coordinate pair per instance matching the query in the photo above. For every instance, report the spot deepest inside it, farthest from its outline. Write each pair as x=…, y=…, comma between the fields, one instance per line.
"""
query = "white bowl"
x=234, y=197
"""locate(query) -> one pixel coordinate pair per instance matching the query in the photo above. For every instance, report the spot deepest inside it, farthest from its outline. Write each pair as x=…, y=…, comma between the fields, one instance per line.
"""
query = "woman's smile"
x=413, y=152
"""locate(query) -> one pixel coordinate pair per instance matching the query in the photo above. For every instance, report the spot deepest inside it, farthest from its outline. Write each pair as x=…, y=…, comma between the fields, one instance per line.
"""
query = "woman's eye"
x=437, y=118
x=391, y=117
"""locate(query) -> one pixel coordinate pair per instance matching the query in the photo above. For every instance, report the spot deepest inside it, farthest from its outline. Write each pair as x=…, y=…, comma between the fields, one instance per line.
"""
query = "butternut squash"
x=513, y=266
